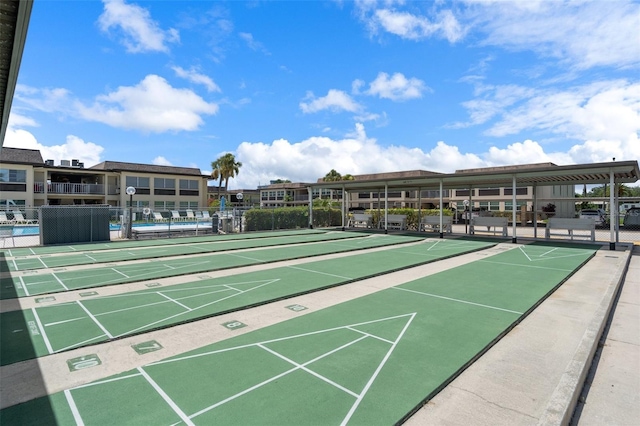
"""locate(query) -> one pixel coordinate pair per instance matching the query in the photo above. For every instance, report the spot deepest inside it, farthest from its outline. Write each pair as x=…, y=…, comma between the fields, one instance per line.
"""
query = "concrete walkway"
x=612, y=394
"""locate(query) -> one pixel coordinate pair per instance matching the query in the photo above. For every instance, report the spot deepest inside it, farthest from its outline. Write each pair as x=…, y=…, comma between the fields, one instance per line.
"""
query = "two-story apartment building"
x=28, y=181
x=482, y=198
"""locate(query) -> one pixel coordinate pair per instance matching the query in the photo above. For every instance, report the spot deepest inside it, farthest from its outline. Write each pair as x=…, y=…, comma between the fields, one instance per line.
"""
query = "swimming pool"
x=26, y=230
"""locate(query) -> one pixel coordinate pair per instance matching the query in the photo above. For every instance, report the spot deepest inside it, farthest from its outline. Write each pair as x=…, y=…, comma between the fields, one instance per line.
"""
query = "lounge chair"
x=190, y=215
x=157, y=217
x=4, y=220
x=205, y=214
x=19, y=218
x=175, y=216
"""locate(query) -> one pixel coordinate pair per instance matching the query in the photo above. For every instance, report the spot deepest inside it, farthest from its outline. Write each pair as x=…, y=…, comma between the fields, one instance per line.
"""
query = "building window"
x=13, y=176
x=519, y=191
x=137, y=182
x=189, y=187
x=162, y=186
x=164, y=205
x=190, y=205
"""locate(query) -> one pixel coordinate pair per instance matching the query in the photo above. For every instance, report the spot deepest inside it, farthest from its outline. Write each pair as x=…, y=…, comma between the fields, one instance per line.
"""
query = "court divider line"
x=166, y=398
x=73, y=407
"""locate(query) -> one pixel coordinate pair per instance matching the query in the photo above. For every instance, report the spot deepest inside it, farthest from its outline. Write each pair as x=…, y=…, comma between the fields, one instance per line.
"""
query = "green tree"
x=332, y=176
x=223, y=169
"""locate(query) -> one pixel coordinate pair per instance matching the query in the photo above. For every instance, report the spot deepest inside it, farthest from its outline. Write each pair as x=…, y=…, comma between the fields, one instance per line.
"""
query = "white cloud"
x=397, y=87
x=253, y=44
x=137, y=31
x=336, y=101
x=47, y=100
x=194, y=76
x=583, y=34
x=409, y=25
x=161, y=161
x=151, y=106
x=74, y=147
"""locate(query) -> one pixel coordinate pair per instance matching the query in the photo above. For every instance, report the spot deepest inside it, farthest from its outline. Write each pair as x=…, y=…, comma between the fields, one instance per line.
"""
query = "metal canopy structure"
x=525, y=175
x=14, y=22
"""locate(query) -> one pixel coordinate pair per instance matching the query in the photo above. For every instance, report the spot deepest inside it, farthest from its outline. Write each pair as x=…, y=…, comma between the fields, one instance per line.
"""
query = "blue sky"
x=296, y=88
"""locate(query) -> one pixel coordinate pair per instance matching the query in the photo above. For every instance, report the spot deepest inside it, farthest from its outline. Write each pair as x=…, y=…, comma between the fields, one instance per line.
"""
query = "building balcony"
x=69, y=188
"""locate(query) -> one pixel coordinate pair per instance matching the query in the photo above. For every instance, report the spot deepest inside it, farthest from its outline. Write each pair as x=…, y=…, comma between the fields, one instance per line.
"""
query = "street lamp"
x=130, y=191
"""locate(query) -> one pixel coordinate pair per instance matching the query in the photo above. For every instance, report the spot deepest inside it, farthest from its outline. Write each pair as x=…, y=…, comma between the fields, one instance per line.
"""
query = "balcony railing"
x=69, y=188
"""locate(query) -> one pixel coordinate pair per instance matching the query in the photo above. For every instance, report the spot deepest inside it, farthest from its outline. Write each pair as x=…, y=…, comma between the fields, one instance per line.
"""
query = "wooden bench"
x=361, y=220
x=432, y=223
x=394, y=221
x=569, y=225
x=489, y=222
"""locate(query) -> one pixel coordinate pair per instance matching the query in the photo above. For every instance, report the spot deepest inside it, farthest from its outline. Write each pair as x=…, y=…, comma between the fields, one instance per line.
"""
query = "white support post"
x=612, y=232
x=310, y=207
x=386, y=208
x=514, y=238
x=441, y=230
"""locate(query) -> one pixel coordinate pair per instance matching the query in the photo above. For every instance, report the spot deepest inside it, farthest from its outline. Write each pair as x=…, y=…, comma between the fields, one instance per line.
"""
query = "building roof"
x=493, y=177
x=117, y=166
x=391, y=175
x=21, y=156
x=14, y=22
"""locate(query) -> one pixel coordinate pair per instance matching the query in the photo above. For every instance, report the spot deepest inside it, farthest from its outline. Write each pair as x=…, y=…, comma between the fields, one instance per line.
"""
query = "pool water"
x=19, y=231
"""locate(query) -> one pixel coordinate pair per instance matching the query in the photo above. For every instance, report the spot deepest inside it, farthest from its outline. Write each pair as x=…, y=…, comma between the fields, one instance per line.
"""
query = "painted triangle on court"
x=307, y=346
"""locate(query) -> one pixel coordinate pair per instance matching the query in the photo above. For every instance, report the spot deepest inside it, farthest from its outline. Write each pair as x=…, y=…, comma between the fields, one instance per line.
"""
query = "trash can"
x=214, y=223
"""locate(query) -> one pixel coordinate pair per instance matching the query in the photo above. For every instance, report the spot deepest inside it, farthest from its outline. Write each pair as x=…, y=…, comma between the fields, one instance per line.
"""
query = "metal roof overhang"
x=14, y=22
x=577, y=174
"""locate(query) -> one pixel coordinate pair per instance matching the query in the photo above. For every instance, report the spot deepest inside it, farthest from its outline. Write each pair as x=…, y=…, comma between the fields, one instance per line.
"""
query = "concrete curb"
x=565, y=396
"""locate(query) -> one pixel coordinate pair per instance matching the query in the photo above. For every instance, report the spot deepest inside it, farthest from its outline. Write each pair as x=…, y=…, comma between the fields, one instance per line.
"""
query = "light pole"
x=130, y=191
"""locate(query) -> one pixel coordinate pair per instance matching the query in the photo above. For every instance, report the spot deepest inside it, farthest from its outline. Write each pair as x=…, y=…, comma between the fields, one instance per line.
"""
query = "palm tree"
x=332, y=176
x=225, y=168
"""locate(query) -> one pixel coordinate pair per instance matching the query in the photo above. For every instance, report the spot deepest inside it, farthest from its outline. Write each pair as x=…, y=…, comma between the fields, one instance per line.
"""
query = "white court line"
x=174, y=301
x=369, y=335
x=375, y=374
x=32, y=251
x=525, y=253
x=74, y=409
x=164, y=396
x=64, y=321
x=94, y=319
x=44, y=334
x=199, y=307
x=296, y=368
x=458, y=300
x=59, y=281
x=313, y=373
x=547, y=252
x=72, y=248
x=15, y=265
x=124, y=275
x=520, y=265
x=318, y=272
x=92, y=258
x=243, y=257
x=76, y=345
x=42, y=261
x=101, y=382
x=279, y=339
x=24, y=286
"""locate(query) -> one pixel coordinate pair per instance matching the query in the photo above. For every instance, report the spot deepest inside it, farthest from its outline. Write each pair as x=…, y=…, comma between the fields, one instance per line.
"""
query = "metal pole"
x=129, y=225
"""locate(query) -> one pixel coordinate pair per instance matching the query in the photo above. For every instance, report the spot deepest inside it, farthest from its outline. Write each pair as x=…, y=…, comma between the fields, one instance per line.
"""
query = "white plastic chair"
x=19, y=218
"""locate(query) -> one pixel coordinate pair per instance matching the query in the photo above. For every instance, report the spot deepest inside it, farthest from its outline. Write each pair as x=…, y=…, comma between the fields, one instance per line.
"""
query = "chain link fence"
x=27, y=227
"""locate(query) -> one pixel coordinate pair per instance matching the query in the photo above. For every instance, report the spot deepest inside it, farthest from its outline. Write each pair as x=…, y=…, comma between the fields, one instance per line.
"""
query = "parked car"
x=598, y=215
x=632, y=218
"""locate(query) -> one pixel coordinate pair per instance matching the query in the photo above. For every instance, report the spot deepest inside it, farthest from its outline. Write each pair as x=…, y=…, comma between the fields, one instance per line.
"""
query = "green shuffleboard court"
x=41, y=331
x=126, y=244
x=66, y=258
x=372, y=360
x=35, y=282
